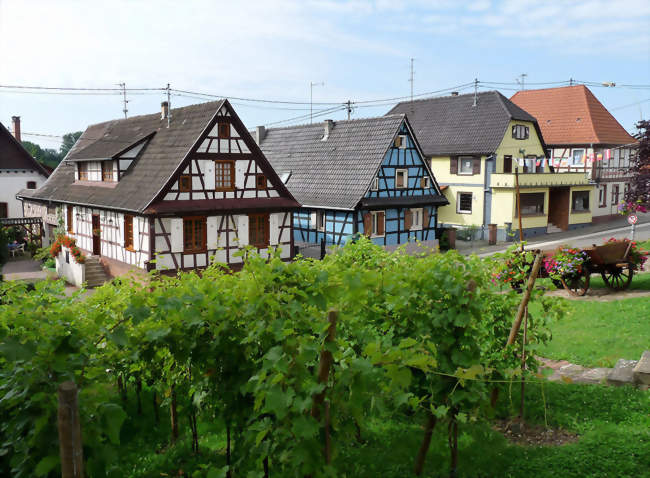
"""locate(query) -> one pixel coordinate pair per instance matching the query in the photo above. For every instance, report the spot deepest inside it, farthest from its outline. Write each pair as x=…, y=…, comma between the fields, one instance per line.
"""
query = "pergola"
x=33, y=227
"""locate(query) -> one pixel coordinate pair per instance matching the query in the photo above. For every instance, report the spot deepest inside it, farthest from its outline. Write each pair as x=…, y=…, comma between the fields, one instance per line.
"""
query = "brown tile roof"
x=572, y=115
x=14, y=156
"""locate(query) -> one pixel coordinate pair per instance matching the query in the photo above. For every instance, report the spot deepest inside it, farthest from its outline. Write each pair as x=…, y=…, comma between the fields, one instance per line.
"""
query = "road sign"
x=632, y=219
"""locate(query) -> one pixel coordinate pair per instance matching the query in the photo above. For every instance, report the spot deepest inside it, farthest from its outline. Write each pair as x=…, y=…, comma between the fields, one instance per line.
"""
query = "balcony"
x=539, y=180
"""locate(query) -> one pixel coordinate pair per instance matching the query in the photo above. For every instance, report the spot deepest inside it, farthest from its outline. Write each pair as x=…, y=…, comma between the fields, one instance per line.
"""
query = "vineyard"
x=282, y=369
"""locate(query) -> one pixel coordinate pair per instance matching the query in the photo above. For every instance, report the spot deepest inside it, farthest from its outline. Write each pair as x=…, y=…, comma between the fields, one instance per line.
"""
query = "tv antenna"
x=125, y=110
x=522, y=81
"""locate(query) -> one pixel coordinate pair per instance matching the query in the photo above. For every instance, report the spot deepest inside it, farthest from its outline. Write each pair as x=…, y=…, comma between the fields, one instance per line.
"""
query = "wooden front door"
x=558, y=207
x=97, y=249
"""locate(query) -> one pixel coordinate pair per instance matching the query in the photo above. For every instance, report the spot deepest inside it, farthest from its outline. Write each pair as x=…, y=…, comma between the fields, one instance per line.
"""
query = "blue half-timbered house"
x=358, y=176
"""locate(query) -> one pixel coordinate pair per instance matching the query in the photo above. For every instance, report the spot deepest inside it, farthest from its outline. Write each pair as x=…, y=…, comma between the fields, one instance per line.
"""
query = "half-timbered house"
x=362, y=176
x=170, y=191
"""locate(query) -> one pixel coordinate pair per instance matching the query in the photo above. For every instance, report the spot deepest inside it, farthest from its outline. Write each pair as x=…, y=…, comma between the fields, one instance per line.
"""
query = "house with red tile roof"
x=582, y=135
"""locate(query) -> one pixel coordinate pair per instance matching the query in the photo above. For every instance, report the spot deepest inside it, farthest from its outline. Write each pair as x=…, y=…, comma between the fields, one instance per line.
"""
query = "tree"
x=69, y=140
x=639, y=192
x=47, y=156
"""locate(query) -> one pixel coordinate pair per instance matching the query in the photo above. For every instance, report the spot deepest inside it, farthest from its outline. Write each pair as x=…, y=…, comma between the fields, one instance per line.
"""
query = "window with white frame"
x=580, y=201
x=464, y=203
x=466, y=165
x=374, y=186
x=401, y=178
x=320, y=221
x=520, y=131
x=577, y=157
x=400, y=141
x=424, y=182
x=416, y=219
x=602, y=196
x=378, y=223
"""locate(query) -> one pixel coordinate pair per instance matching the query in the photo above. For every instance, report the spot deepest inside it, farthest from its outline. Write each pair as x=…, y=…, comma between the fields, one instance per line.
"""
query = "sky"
x=275, y=49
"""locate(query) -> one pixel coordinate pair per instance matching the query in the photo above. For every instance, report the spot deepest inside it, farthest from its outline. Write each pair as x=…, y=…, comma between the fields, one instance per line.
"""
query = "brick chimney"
x=15, y=121
x=260, y=133
x=164, y=110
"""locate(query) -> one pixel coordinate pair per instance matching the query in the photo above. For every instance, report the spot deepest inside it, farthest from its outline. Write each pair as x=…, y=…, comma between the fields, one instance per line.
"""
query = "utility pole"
x=349, y=108
x=570, y=81
x=169, y=106
x=311, y=96
x=522, y=81
x=475, y=90
x=124, y=100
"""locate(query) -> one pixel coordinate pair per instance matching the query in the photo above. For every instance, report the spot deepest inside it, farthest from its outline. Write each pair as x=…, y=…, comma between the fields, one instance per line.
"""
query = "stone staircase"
x=95, y=273
x=552, y=228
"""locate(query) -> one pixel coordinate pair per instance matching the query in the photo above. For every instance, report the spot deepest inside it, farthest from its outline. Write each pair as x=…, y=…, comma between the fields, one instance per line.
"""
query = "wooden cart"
x=610, y=261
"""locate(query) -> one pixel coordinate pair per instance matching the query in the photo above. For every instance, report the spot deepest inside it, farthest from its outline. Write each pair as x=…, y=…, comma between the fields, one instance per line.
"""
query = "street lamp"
x=311, y=96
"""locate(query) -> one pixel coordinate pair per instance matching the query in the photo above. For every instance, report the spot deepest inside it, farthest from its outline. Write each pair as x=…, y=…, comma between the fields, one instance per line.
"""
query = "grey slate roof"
x=451, y=125
x=336, y=172
x=14, y=156
x=156, y=164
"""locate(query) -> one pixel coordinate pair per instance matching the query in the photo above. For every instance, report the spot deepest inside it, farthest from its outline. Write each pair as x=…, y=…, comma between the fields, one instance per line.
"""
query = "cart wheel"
x=577, y=286
x=617, y=277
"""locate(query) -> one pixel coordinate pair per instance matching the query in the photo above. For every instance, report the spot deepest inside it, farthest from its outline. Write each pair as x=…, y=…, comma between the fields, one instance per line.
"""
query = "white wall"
x=70, y=271
x=11, y=182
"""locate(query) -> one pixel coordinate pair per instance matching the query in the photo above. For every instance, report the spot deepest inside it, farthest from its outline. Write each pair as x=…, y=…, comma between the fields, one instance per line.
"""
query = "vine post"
x=70, y=445
x=523, y=305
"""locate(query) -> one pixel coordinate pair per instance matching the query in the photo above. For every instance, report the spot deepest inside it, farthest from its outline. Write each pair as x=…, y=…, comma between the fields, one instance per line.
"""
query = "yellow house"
x=477, y=144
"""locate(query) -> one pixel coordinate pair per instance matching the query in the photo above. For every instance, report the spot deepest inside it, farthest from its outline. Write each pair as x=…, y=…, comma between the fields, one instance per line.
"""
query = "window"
x=580, y=201
x=374, y=186
x=260, y=182
x=424, y=182
x=507, y=164
x=464, y=203
x=520, y=131
x=225, y=175
x=615, y=194
x=320, y=221
x=4, y=209
x=194, y=234
x=577, y=157
x=107, y=171
x=82, y=168
x=224, y=131
x=626, y=189
x=602, y=196
x=185, y=183
x=400, y=141
x=31, y=184
x=532, y=204
x=413, y=219
x=466, y=165
x=401, y=178
x=51, y=210
x=69, y=219
x=378, y=223
x=258, y=230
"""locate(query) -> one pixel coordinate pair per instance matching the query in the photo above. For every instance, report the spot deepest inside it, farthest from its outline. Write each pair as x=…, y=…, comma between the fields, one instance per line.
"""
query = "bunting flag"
x=591, y=157
x=608, y=154
x=538, y=162
x=599, y=157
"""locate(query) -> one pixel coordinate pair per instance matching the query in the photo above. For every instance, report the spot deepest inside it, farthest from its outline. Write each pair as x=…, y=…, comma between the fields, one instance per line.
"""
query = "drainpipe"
x=489, y=162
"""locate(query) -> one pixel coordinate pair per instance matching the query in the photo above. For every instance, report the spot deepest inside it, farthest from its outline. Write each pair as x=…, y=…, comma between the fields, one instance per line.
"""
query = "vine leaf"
x=46, y=465
x=113, y=417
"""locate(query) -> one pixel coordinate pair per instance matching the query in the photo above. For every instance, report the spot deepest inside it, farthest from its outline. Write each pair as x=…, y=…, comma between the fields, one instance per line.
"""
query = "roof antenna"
x=523, y=79
x=475, y=90
x=411, y=81
x=124, y=100
x=169, y=106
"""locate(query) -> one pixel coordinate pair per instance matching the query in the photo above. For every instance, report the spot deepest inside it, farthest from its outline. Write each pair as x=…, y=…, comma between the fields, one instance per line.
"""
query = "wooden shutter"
x=425, y=218
x=453, y=165
x=476, y=166
x=408, y=219
x=69, y=210
x=381, y=217
x=367, y=224
x=128, y=232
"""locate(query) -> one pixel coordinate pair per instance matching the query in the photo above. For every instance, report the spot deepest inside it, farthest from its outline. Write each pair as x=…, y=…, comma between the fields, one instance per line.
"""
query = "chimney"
x=329, y=126
x=260, y=134
x=164, y=110
x=15, y=121
x=454, y=93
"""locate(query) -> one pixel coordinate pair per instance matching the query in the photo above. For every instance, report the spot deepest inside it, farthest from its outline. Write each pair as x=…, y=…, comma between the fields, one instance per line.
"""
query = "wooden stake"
x=524, y=300
x=523, y=364
x=70, y=445
x=174, y=416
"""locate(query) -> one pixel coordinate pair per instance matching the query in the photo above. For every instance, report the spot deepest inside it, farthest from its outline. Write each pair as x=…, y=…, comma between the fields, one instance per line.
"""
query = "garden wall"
x=68, y=269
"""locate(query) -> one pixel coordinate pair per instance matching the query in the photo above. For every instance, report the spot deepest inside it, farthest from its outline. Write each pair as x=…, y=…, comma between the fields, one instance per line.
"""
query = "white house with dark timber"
x=170, y=191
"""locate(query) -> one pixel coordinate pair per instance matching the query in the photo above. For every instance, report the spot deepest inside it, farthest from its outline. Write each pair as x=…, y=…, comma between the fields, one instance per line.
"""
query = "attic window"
x=31, y=184
x=224, y=131
x=401, y=178
x=400, y=141
x=374, y=186
x=185, y=183
x=82, y=168
x=424, y=182
x=520, y=131
x=260, y=182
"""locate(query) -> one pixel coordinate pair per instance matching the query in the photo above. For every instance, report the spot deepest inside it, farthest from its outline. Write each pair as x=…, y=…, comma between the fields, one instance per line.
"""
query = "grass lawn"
x=612, y=423
x=597, y=334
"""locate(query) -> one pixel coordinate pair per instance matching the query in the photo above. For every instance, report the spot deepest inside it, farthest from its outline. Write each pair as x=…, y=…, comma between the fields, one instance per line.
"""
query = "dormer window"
x=82, y=169
x=107, y=171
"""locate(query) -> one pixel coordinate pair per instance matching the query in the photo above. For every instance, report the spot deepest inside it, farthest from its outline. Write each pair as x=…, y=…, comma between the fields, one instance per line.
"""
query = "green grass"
x=640, y=281
x=597, y=334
